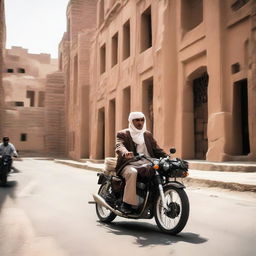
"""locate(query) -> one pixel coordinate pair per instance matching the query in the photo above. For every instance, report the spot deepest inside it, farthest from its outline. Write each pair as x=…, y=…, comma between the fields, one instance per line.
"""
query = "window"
x=31, y=96
x=19, y=103
x=146, y=30
x=191, y=14
x=101, y=12
x=9, y=70
x=103, y=59
x=235, y=68
x=23, y=137
x=114, y=49
x=21, y=70
x=126, y=40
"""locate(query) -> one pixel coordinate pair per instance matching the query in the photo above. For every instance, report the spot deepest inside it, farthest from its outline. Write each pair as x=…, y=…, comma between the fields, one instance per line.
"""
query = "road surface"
x=44, y=211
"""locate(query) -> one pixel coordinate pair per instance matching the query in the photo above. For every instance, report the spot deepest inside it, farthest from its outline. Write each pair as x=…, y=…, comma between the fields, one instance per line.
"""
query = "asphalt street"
x=44, y=211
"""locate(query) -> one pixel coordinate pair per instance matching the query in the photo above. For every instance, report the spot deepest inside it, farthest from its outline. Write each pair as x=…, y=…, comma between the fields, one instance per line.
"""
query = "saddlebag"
x=117, y=183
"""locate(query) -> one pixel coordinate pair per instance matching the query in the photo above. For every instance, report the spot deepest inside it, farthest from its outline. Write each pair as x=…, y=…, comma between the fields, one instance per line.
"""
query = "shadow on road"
x=14, y=169
x=7, y=190
x=147, y=234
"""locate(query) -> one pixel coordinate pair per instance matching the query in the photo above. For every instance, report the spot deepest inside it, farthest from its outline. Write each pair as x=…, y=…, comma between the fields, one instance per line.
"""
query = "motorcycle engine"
x=141, y=193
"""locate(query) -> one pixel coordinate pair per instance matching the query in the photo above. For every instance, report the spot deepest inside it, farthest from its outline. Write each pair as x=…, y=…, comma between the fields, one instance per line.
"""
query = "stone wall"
x=55, y=139
x=24, y=80
x=74, y=49
x=25, y=127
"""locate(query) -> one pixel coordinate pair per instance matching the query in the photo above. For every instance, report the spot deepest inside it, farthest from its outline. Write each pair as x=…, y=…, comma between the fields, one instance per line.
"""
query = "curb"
x=189, y=181
x=79, y=165
x=227, y=167
x=225, y=185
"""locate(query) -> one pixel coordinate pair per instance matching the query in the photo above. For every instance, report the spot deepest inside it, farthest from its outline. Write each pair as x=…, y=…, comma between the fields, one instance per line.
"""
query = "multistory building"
x=74, y=53
x=189, y=65
x=24, y=86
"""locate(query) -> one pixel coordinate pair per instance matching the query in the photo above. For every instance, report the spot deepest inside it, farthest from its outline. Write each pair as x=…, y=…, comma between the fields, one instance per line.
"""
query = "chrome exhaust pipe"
x=99, y=200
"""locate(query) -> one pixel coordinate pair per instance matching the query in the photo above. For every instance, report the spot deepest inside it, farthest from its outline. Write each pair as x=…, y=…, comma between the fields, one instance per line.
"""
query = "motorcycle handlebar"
x=139, y=157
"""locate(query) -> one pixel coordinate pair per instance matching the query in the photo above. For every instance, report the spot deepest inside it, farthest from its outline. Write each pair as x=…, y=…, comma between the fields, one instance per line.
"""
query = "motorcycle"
x=5, y=167
x=162, y=196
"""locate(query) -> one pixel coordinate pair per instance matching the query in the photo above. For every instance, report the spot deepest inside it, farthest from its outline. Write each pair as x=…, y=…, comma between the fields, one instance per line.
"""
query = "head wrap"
x=137, y=135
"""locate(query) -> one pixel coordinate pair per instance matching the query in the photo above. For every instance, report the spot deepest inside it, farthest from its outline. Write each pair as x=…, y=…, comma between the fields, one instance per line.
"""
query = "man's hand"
x=128, y=155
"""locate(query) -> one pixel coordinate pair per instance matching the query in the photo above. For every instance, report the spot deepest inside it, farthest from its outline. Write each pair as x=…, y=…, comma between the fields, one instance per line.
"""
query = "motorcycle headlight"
x=166, y=166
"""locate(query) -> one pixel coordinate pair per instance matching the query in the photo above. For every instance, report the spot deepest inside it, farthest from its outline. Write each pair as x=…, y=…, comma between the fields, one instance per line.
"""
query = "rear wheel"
x=104, y=214
x=172, y=221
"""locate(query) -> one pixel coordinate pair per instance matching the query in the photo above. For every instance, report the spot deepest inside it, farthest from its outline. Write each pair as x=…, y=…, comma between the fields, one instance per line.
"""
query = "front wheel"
x=172, y=221
x=104, y=214
x=3, y=175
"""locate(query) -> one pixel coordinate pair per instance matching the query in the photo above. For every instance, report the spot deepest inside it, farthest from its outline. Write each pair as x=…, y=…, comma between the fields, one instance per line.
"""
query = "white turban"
x=137, y=135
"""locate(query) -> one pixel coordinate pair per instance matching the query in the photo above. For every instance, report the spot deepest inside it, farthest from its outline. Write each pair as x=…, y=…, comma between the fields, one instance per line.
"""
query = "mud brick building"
x=74, y=63
x=24, y=86
x=188, y=65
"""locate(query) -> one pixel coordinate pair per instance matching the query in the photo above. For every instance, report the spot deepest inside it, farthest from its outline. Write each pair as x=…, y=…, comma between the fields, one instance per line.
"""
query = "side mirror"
x=172, y=150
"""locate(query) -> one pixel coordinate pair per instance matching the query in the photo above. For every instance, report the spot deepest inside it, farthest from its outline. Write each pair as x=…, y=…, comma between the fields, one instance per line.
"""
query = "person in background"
x=7, y=148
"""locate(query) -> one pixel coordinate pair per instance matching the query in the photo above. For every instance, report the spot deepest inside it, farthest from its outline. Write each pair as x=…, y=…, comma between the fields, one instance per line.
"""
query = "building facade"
x=24, y=84
x=74, y=63
x=188, y=65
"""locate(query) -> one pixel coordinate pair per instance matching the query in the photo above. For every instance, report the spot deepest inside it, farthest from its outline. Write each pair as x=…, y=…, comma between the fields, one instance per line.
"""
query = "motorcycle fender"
x=176, y=184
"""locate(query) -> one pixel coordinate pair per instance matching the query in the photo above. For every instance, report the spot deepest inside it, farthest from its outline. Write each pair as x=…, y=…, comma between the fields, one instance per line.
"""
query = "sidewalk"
x=238, y=176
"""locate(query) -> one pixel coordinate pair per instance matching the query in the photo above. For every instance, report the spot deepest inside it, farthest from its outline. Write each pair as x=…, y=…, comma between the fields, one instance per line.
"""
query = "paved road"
x=44, y=212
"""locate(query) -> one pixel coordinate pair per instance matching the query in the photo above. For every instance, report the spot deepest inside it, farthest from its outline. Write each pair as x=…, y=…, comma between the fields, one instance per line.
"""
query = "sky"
x=36, y=25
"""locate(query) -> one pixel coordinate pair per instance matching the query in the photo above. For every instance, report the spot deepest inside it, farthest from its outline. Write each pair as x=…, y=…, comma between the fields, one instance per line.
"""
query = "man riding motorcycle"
x=130, y=142
x=7, y=148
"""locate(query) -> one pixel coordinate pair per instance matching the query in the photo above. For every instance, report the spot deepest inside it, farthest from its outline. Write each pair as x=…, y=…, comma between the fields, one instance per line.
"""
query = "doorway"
x=101, y=134
x=200, y=98
x=112, y=128
x=147, y=102
x=241, y=124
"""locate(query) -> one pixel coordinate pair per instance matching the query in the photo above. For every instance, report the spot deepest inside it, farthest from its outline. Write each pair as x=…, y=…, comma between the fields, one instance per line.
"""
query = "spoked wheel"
x=173, y=220
x=104, y=214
